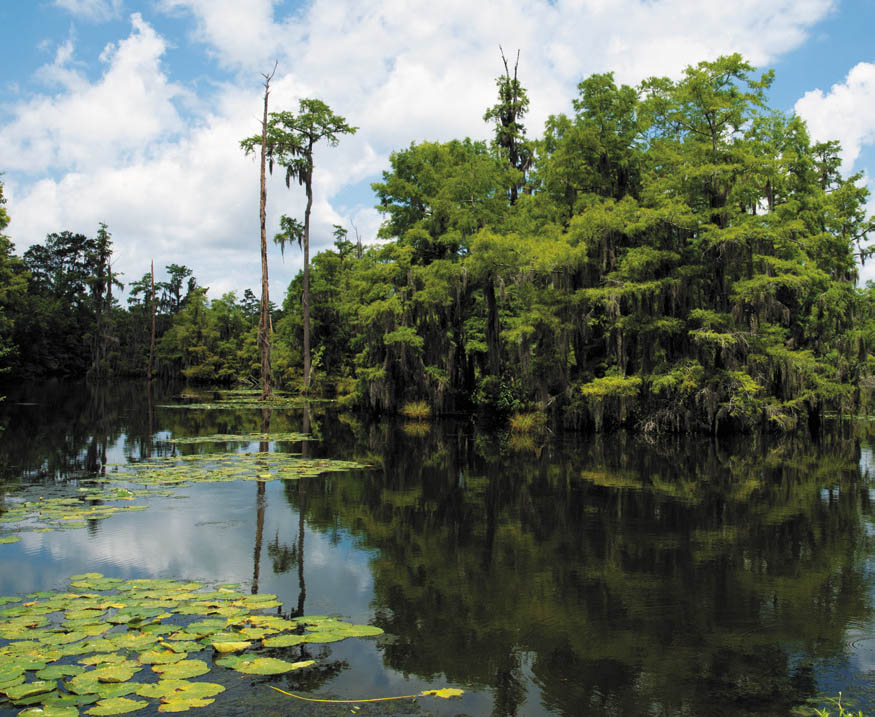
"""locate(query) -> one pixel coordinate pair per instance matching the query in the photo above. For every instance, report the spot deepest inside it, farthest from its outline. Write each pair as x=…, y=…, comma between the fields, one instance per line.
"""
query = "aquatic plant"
x=61, y=650
x=527, y=422
x=416, y=410
x=151, y=478
x=242, y=438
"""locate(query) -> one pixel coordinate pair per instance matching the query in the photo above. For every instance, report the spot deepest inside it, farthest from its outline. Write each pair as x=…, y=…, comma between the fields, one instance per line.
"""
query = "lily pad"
x=111, y=658
x=117, y=706
x=230, y=646
x=183, y=705
x=251, y=665
x=56, y=672
x=30, y=688
x=50, y=711
x=9, y=539
x=118, y=689
x=160, y=657
x=445, y=693
x=183, y=670
x=283, y=640
x=11, y=683
x=116, y=673
x=162, y=688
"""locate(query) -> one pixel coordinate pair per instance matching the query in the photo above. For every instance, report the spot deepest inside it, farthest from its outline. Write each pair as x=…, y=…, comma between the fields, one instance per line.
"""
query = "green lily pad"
x=196, y=690
x=183, y=705
x=324, y=637
x=363, y=631
x=183, y=670
x=9, y=672
x=117, y=689
x=182, y=645
x=85, y=683
x=283, y=640
x=11, y=683
x=134, y=641
x=9, y=539
x=162, y=688
x=160, y=657
x=35, y=699
x=50, y=711
x=70, y=700
x=30, y=688
x=116, y=673
x=117, y=706
x=111, y=658
x=231, y=646
x=56, y=672
x=251, y=665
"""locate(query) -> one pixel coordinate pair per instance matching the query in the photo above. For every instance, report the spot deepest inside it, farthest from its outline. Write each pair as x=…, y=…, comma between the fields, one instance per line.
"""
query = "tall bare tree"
x=248, y=146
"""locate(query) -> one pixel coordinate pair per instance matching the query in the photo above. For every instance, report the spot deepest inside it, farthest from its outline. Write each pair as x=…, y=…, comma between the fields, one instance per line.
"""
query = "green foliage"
x=527, y=422
x=416, y=410
x=134, y=608
x=676, y=256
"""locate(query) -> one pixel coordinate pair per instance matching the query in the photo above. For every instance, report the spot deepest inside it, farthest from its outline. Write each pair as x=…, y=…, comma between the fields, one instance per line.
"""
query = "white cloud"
x=845, y=113
x=91, y=9
x=176, y=187
x=242, y=33
x=87, y=125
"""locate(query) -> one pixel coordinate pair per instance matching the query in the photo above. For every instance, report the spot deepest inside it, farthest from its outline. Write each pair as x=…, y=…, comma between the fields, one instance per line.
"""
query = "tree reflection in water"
x=625, y=577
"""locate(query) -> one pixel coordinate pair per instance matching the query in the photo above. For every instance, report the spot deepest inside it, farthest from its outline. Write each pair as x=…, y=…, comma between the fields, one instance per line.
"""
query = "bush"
x=527, y=422
x=416, y=410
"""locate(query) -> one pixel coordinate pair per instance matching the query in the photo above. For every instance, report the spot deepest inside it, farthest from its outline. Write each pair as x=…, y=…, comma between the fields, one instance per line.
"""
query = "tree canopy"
x=677, y=256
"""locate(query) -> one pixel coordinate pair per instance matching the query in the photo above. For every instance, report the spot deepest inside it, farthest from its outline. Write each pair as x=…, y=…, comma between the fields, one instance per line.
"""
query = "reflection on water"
x=596, y=575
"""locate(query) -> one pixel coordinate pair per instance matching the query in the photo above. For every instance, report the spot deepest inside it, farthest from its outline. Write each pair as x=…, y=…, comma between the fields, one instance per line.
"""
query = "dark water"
x=603, y=575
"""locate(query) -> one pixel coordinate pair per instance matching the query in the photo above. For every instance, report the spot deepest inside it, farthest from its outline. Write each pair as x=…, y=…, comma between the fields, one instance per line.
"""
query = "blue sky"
x=130, y=112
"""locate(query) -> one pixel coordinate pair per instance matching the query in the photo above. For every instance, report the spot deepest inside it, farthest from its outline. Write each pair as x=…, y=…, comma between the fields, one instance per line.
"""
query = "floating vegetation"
x=220, y=467
x=243, y=438
x=243, y=401
x=47, y=514
x=152, y=478
x=85, y=646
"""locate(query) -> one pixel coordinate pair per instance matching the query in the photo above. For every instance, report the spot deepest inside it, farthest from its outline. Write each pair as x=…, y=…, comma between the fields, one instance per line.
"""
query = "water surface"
x=560, y=575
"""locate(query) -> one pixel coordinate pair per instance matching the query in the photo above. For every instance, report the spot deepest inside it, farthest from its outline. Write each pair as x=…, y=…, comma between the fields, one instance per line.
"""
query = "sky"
x=130, y=112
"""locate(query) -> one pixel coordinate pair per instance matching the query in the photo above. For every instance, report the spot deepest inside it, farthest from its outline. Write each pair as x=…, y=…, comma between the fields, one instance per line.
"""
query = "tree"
x=100, y=283
x=293, y=138
x=13, y=286
x=248, y=146
x=510, y=134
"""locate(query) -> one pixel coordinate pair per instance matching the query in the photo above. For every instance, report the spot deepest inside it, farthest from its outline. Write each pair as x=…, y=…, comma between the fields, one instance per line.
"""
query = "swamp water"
x=585, y=575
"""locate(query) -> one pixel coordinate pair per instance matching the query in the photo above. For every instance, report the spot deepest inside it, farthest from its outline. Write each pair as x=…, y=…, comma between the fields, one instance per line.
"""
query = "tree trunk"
x=493, y=347
x=305, y=299
x=152, y=341
x=264, y=324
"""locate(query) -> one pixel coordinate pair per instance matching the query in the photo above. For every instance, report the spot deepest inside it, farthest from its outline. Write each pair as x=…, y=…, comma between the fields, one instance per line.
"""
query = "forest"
x=673, y=257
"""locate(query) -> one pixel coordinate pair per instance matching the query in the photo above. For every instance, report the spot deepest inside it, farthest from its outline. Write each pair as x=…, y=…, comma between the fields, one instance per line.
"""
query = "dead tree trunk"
x=152, y=340
x=264, y=323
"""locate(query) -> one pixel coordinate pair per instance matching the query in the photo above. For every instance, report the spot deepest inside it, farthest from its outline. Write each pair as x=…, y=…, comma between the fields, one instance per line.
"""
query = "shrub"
x=416, y=410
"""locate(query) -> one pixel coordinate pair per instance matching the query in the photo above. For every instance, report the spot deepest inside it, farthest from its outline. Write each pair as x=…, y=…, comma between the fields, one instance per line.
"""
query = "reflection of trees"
x=57, y=431
x=677, y=576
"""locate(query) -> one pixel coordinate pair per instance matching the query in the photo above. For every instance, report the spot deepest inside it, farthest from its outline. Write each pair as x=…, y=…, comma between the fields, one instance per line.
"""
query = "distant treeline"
x=676, y=256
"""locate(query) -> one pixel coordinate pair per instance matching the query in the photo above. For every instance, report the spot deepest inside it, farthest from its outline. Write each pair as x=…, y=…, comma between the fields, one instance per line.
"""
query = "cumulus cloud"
x=91, y=9
x=85, y=125
x=240, y=33
x=845, y=113
x=162, y=166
